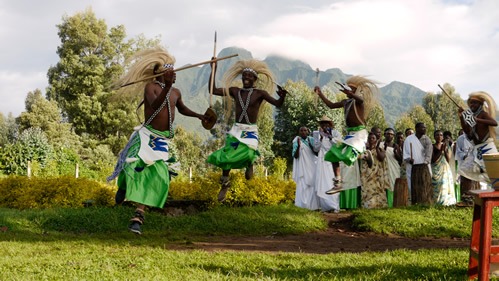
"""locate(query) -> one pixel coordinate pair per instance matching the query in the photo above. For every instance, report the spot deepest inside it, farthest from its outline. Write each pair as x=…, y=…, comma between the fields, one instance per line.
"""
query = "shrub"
x=24, y=193
x=32, y=145
x=259, y=190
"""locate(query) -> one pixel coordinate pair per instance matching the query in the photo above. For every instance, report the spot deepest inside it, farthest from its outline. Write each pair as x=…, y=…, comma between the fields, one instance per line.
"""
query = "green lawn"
x=94, y=244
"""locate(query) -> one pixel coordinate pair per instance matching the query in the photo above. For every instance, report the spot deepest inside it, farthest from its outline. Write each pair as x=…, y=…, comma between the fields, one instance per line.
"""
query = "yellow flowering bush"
x=259, y=190
x=24, y=193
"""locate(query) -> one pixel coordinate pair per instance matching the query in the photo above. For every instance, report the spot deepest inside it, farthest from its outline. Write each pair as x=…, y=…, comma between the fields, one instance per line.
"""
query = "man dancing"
x=478, y=123
x=241, y=144
x=361, y=97
x=142, y=168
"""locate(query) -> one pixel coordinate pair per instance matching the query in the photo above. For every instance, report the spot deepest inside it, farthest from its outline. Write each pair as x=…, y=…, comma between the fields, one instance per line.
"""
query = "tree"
x=187, y=149
x=302, y=108
x=32, y=145
x=44, y=114
x=265, y=125
x=8, y=129
x=91, y=57
x=418, y=114
x=403, y=123
x=376, y=118
x=442, y=110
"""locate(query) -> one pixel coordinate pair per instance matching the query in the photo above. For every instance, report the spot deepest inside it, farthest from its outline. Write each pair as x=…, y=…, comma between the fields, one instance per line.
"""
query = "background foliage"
x=82, y=120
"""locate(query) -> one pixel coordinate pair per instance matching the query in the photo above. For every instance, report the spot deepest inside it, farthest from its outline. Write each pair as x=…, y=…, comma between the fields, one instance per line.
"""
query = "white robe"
x=324, y=175
x=304, y=177
x=392, y=166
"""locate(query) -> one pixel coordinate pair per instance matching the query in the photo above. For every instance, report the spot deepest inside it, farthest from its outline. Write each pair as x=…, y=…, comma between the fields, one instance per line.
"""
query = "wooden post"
x=266, y=172
x=29, y=169
x=190, y=174
x=401, y=193
x=77, y=170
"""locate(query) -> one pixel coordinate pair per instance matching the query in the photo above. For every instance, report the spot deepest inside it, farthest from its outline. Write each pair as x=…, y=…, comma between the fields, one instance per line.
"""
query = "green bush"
x=66, y=191
x=257, y=191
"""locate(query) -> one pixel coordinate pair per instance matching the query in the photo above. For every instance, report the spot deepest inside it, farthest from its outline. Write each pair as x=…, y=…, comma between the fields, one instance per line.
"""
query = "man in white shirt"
x=417, y=152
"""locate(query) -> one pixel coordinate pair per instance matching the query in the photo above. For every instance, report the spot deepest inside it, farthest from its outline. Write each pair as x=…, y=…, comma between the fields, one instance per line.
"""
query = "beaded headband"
x=166, y=66
x=250, y=70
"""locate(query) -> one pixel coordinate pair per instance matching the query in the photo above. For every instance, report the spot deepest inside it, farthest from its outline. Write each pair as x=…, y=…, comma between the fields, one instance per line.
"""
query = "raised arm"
x=329, y=104
x=276, y=102
x=216, y=91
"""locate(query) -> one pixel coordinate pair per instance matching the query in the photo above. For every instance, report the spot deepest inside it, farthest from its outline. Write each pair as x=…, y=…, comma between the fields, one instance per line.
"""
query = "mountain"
x=396, y=97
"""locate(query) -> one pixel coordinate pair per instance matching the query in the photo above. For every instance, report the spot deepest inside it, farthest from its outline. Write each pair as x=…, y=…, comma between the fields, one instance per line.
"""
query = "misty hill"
x=396, y=97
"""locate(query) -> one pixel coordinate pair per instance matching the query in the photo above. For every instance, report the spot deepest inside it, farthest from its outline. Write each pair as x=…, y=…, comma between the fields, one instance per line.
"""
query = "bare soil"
x=340, y=236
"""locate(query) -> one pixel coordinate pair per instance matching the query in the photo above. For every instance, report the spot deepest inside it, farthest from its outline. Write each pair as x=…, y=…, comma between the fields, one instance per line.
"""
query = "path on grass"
x=339, y=237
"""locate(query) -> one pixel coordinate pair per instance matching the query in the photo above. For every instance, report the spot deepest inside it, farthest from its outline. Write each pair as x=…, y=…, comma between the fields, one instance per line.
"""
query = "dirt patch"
x=338, y=237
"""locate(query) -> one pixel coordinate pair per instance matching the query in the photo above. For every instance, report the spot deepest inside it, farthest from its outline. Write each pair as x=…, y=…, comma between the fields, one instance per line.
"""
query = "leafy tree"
x=4, y=130
x=442, y=110
x=418, y=114
x=8, y=129
x=44, y=114
x=187, y=148
x=302, y=108
x=32, y=145
x=91, y=57
x=265, y=125
x=404, y=122
x=39, y=112
x=377, y=118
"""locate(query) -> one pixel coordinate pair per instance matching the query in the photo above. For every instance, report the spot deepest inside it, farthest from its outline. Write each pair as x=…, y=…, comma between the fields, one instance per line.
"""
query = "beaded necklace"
x=165, y=102
x=244, y=107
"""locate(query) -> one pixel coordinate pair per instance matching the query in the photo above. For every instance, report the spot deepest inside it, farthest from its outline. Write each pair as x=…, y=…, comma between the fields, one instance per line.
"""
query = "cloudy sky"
x=423, y=42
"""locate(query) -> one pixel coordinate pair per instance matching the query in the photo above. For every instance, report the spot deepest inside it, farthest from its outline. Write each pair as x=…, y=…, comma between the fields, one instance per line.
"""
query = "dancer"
x=142, y=169
x=326, y=137
x=241, y=144
x=361, y=97
x=478, y=123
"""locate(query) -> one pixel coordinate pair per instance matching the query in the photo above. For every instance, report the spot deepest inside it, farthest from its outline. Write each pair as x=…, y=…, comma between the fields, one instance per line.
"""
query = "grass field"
x=94, y=244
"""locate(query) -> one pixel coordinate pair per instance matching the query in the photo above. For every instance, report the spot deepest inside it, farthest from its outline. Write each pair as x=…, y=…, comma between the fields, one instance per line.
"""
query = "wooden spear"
x=449, y=96
x=180, y=69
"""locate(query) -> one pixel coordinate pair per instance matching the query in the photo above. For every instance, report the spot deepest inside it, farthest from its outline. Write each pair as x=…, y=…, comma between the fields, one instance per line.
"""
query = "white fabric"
x=392, y=166
x=463, y=148
x=304, y=177
x=416, y=151
x=408, y=172
x=356, y=139
x=350, y=175
x=153, y=147
x=246, y=133
x=471, y=166
x=324, y=174
x=452, y=164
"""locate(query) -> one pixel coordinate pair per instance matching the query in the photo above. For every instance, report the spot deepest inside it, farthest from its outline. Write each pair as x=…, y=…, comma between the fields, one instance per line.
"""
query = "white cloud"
x=424, y=42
